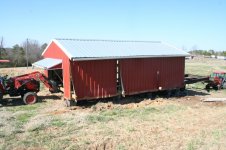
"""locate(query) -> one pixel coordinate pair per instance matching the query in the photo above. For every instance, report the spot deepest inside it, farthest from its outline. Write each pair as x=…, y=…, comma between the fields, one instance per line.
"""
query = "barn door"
x=139, y=75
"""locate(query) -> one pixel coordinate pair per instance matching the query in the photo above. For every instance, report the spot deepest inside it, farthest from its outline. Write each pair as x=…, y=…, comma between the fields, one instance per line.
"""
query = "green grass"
x=37, y=128
x=202, y=141
x=25, y=107
x=193, y=144
x=121, y=147
x=223, y=67
x=197, y=86
x=24, y=117
x=203, y=68
x=143, y=113
x=171, y=123
x=57, y=123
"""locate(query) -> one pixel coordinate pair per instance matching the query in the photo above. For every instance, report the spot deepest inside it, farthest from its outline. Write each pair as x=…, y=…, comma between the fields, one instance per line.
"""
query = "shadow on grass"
x=196, y=92
x=140, y=97
x=17, y=101
x=114, y=100
x=50, y=97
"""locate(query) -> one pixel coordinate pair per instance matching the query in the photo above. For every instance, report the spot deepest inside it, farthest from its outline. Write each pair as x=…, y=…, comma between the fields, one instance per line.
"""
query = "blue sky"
x=186, y=24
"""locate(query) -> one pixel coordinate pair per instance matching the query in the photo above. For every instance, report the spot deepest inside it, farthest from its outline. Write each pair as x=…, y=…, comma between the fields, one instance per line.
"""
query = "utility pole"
x=27, y=53
x=1, y=47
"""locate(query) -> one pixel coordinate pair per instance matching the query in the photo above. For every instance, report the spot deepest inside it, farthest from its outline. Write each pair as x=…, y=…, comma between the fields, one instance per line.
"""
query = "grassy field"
x=133, y=123
x=200, y=66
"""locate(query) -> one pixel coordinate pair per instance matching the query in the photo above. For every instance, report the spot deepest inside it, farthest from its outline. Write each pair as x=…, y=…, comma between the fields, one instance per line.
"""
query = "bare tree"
x=2, y=42
x=33, y=50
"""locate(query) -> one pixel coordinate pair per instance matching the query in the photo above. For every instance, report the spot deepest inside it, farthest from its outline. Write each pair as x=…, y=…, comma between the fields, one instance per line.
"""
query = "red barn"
x=91, y=69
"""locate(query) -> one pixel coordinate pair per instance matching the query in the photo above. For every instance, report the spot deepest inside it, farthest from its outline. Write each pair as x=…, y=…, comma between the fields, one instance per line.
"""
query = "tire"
x=177, y=93
x=1, y=95
x=30, y=98
x=207, y=87
x=218, y=87
x=168, y=94
x=22, y=96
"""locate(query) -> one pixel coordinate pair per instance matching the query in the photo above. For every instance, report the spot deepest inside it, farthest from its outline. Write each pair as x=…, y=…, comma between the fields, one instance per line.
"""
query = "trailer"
x=191, y=79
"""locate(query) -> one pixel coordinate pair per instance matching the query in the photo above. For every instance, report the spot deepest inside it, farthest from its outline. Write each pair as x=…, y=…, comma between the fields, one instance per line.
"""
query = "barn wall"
x=148, y=74
x=54, y=51
x=94, y=79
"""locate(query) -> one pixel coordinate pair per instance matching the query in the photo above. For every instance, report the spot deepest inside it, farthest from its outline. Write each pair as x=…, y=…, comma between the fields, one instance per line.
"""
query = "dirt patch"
x=57, y=112
x=191, y=101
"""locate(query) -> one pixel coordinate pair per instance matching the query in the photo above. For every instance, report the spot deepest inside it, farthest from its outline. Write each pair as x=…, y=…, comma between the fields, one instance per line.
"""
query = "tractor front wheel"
x=30, y=98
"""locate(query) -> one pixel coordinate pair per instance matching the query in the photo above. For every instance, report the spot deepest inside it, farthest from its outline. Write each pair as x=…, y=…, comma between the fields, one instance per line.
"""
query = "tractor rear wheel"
x=207, y=87
x=30, y=98
x=1, y=95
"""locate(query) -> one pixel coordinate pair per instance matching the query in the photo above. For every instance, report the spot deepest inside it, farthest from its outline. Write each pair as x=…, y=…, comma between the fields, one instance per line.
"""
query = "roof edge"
x=47, y=47
x=102, y=40
x=43, y=67
x=170, y=45
x=126, y=57
x=62, y=48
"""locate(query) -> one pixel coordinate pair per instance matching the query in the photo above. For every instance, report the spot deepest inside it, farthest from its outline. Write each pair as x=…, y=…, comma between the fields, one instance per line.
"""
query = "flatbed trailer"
x=191, y=79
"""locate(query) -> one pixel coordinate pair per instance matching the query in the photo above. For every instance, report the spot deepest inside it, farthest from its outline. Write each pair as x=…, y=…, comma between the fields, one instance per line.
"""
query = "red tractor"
x=27, y=86
x=217, y=80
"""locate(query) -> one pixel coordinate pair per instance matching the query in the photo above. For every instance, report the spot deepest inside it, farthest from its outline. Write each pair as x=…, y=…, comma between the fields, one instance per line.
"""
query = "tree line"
x=208, y=52
x=19, y=55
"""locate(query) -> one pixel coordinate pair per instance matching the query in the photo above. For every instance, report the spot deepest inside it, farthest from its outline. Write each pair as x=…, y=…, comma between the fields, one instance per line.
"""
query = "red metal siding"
x=172, y=73
x=94, y=79
x=148, y=74
x=53, y=51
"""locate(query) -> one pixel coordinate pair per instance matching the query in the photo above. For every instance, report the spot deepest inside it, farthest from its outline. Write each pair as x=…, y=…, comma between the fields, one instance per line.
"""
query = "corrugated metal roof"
x=47, y=63
x=107, y=49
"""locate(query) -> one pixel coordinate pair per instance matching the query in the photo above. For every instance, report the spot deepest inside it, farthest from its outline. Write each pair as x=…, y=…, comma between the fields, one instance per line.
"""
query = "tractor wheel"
x=218, y=87
x=207, y=87
x=30, y=98
x=1, y=95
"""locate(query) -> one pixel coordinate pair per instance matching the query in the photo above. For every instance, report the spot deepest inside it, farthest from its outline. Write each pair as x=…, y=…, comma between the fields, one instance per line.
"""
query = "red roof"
x=219, y=72
x=4, y=61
